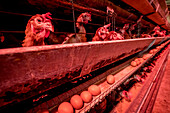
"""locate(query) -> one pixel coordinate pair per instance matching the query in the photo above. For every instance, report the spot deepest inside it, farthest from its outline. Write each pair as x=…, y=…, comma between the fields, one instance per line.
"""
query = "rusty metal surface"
x=39, y=68
x=36, y=69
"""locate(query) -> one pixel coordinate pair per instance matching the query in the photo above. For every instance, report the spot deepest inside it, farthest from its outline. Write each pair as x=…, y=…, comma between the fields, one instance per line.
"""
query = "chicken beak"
x=106, y=26
x=49, y=27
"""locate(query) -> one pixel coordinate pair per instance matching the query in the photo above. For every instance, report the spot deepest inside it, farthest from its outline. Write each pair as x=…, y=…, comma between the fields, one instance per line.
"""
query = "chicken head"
x=101, y=33
x=38, y=28
x=83, y=18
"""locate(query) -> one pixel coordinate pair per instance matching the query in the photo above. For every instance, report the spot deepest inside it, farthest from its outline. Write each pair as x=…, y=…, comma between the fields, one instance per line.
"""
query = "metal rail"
x=156, y=89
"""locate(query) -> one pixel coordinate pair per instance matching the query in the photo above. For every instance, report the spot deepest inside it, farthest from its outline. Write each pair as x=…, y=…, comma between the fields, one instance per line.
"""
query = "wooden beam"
x=165, y=27
x=122, y=14
x=156, y=18
x=142, y=6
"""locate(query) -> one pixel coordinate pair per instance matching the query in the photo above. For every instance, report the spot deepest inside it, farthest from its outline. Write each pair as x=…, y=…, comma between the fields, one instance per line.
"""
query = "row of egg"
x=76, y=101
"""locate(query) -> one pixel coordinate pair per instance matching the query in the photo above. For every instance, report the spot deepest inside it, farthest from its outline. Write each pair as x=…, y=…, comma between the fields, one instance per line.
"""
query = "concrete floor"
x=162, y=103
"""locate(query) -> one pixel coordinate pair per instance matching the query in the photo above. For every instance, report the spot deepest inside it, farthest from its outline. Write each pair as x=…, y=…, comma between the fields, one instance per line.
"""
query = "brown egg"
x=140, y=59
x=145, y=57
x=76, y=102
x=94, y=90
x=110, y=79
x=137, y=61
x=161, y=46
x=65, y=107
x=133, y=63
x=86, y=96
x=155, y=50
x=158, y=47
x=151, y=51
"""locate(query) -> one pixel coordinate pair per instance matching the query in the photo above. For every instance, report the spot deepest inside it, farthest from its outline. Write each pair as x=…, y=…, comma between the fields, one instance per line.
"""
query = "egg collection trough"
x=29, y=71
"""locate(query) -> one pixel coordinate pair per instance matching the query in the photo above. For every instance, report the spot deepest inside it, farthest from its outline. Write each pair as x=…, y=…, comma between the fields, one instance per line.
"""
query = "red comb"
x=47, y=15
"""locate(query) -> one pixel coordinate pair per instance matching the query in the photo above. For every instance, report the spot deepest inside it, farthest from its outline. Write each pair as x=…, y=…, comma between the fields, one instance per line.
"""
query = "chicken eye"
x=38, y=20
